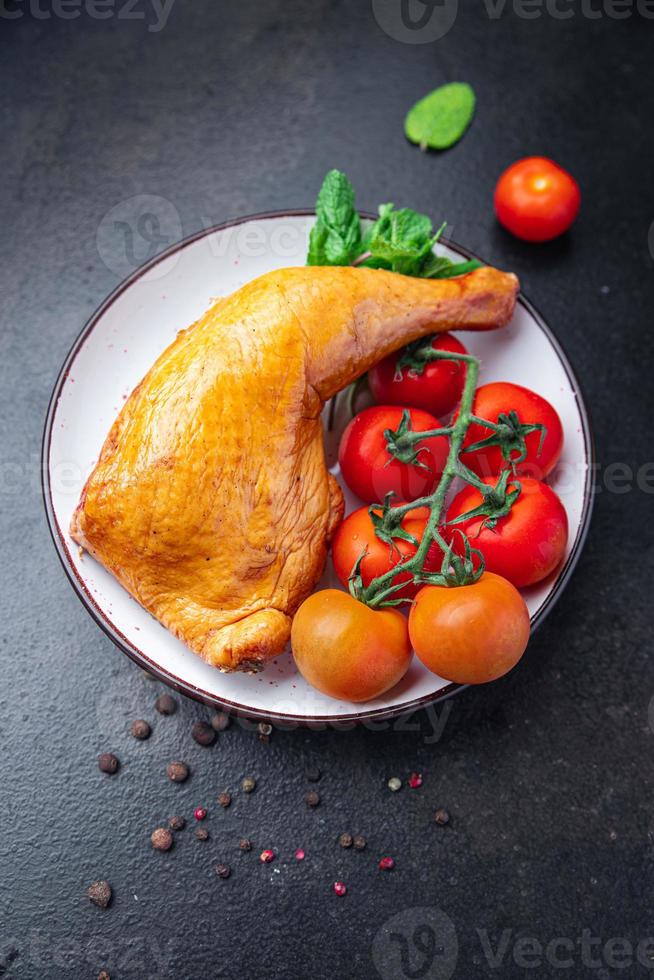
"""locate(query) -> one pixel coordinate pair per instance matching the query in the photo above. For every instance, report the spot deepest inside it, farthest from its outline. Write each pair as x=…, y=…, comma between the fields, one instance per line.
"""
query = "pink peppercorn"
x=299, y=854
x=387, y=864
x=266, y=857
x=200, y=813
x=339, y=888
x=415, y=780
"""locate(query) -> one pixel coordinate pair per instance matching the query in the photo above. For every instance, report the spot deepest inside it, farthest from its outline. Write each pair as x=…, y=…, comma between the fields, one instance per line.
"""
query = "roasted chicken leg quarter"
x=211, y=502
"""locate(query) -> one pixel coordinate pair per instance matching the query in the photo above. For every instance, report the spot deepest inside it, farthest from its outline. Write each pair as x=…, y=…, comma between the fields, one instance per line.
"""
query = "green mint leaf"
x=400, y=240
x=440, y=267
x=335, y=238
x=440, y=119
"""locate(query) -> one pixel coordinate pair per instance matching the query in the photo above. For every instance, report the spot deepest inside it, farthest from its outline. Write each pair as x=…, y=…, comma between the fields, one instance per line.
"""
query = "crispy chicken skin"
x=211, y=502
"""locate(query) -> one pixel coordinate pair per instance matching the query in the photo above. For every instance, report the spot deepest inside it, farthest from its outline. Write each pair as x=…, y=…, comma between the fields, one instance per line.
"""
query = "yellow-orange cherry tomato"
x=348, y=650
x=470, y=634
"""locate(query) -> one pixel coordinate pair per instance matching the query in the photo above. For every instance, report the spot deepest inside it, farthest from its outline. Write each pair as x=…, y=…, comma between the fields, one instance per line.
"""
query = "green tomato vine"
x=404, y=444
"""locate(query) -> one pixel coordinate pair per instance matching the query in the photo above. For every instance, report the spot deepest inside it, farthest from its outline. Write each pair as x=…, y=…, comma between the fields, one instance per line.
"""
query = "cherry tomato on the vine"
x=347, y=650
x=436, y=389
x=357, y=533
x=371, y=472
x=500, y=397
x=536, y=199
x=470, y=634
x=527, y=544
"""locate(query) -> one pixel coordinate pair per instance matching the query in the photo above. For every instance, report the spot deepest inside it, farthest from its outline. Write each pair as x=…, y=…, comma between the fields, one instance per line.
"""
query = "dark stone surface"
x=239, y=107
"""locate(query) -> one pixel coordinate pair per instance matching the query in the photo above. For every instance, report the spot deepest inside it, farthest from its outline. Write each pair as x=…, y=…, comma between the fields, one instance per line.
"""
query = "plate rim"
x=184, y=687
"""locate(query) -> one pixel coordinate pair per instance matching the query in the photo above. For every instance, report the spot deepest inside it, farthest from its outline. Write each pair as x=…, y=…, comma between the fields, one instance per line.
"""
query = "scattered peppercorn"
x=248, y=784
x=108, y=763
x=266, y=857
x=165, y=704
x=203, y=733
x=200, y=813
x=177, y=823
x=386, y=864
x=360, y=843
x=220, y=721
x=100, y=893
x=339, y=888
x=415, y=780
x=161, y=839
x=394, y=784
x=312, y=798
x=177, y=771
x=223, y=870
x=103, y=975
x=245, y=844
x=202, y=834
x=313, y=774
x=346, y=840
x=299, y=854
x=265, y=731
x=225, y=799
x=140, y=729
x=442, y=817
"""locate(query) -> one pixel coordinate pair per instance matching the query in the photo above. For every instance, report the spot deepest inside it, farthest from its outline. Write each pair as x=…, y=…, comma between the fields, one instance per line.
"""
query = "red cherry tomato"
x=357, y=533
x=527, y=544
x=437, y=389
x=537, y=200
x=501, y=397
x=371, y=472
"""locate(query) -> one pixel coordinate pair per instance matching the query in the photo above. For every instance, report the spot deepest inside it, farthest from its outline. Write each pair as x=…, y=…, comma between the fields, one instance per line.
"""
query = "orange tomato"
x=470, y=634
x=348, y=650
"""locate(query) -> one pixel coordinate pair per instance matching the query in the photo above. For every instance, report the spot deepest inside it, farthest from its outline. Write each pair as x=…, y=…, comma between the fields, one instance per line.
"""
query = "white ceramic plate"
x=118, y=346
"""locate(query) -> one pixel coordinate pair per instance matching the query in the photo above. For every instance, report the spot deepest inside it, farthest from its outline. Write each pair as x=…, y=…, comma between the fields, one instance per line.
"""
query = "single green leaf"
x=440, y=119
x=335, y=238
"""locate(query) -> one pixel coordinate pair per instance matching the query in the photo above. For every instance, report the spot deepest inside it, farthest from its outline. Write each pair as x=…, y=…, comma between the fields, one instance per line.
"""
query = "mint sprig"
x=400, y=240
x=336, y=236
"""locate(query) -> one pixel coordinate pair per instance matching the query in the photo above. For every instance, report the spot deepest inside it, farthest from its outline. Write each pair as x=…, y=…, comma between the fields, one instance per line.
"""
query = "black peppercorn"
x=220, y=721
x=161, y=839
x=108, y=763
x=223, y=870
x=442, y=817
x=203, y=733
x=165, y=704
x=225, y=799
x=245, y=844
x=177, y=823
x=100, y=893
x=202, y=834
x=177, y=771
x=313, y=774
x=312, y=798
x=248, y=784
x=360, y=843
x=140, y=729
x=346, y=840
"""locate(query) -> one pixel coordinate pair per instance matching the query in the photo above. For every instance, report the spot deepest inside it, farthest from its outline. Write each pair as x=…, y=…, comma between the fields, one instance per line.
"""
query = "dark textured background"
x=240, y=107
